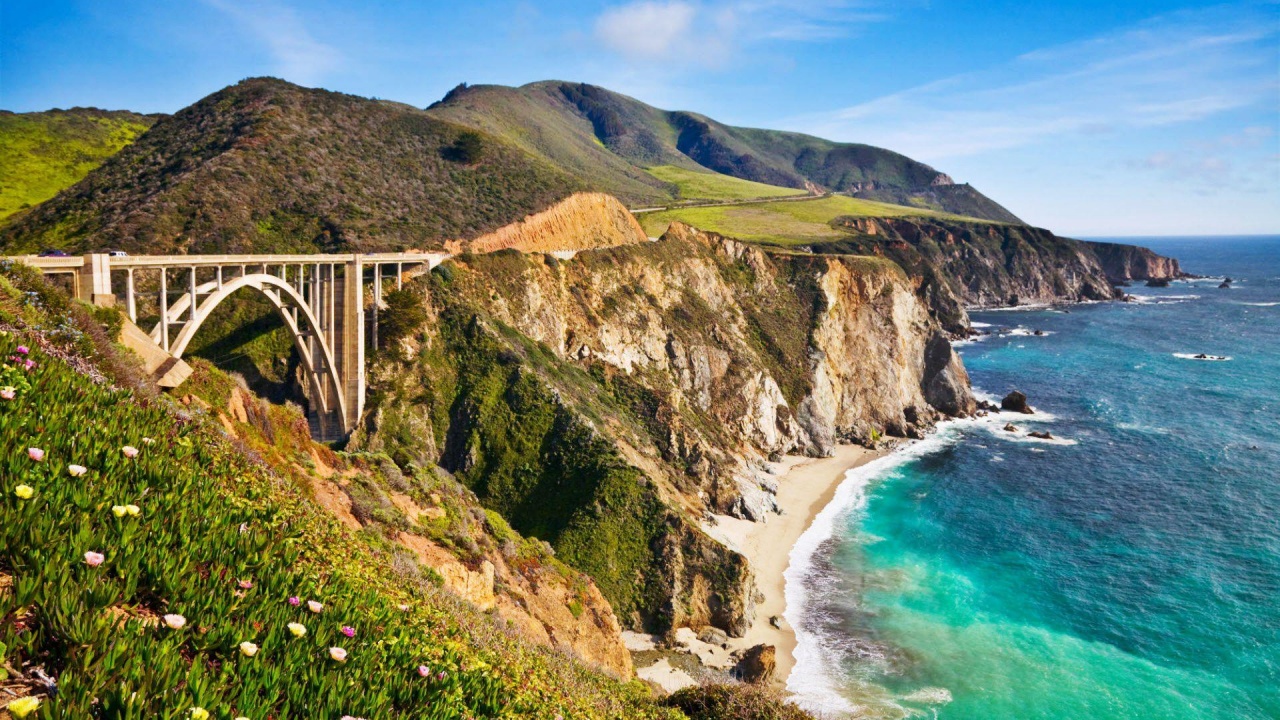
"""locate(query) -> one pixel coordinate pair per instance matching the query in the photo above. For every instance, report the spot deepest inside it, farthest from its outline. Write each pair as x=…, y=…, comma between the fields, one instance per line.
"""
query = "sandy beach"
x=805, y=486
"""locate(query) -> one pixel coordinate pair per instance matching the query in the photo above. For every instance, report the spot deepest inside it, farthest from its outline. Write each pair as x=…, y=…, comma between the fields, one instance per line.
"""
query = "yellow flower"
x=23, y=706
x=118, y=510
x=133, y=510
x=24, y=491
x=199, y=713
x=298, y=629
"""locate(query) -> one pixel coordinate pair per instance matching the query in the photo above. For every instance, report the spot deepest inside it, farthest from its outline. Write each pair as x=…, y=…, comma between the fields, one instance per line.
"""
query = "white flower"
x=314, y=606
x=175, y=621
x=298, y=629
x=338, y=654
x=77, y=470
x=248, y=649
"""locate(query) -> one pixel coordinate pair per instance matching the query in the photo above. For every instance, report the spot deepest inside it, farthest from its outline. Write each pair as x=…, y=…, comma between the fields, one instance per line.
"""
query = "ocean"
x=1128, y=568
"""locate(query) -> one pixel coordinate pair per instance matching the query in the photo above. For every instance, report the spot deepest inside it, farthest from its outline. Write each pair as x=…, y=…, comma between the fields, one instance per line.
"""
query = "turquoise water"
x=1129, y=569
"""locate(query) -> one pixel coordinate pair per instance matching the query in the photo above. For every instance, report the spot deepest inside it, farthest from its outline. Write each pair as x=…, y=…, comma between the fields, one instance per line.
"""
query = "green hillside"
x=267, y=166
x=702, y=185
x=789, y=222
x=42, y=153
x=610, y=135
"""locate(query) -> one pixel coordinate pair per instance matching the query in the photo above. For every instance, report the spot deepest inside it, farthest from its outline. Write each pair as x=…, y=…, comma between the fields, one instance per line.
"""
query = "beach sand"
x=805, y=486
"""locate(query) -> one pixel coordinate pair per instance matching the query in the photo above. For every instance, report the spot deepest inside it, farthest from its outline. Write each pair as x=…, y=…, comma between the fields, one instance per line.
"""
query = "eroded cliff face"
x=968, y=264
x=1124, y=263
x=607, y=402
x=579, y=222
x=426, y=517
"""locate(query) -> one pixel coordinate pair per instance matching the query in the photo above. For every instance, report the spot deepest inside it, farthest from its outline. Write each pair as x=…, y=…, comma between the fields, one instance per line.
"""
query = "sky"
x=1091, y=118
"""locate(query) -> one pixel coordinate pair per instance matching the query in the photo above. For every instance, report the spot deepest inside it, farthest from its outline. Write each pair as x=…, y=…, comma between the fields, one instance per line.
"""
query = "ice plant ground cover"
x=210, y=522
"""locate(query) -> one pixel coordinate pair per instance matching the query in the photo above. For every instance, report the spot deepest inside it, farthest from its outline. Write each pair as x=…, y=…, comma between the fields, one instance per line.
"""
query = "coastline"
x=805, y=487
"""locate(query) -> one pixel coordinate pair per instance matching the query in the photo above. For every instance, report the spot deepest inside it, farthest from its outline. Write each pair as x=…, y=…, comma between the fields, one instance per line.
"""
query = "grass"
x=210, y=517
x=42, y=153
x=694, y=185
x=781, y=223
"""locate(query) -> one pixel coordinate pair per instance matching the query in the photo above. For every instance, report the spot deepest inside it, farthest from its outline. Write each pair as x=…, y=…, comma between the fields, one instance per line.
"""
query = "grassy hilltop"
x=42, y=153
x=267, y=166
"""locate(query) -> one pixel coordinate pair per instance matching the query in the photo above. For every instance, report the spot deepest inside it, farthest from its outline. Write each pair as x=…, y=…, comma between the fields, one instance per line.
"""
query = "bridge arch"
x=299, y=318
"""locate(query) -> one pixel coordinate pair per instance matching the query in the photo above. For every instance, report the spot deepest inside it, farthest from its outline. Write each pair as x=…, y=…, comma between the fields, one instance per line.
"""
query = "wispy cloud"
x=1174, y=69
x=1243, y=161
x=710, y=33
x=297, y=55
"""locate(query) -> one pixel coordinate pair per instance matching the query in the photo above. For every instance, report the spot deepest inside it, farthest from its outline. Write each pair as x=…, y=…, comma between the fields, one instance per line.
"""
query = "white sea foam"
x=1264, y=304
x=980, y=324
x=1210, y=358
x=812, y=681
x=1026, y=332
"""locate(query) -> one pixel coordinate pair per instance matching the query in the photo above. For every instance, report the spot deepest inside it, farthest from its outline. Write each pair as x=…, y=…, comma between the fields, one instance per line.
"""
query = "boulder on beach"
x=713, y=636
x=1016, y=402
x=757, y=664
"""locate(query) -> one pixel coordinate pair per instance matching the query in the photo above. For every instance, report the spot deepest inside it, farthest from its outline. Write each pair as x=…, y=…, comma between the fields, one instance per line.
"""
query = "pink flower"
x=338, y=654
x=93, y=559
x=424, y=671
x=440, y=676
x=314, y=606
x=28, y=364
x=294, y=601
x=129, y=451
x=8, y=392
x=348, y=631
x=23, y=350
x=35, y=454
x=245, y=584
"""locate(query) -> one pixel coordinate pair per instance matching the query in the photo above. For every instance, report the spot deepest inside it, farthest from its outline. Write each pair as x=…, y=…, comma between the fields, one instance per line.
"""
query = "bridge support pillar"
x=93, y=281
x=351, y=336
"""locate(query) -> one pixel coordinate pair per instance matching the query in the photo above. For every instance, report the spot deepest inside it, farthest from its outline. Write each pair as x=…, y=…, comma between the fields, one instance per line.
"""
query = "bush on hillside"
x=734, y=702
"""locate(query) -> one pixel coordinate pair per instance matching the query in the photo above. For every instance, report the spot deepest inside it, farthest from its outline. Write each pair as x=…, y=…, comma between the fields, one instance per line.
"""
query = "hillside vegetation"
x=696, y=185
x=266, y=166
x=785, y=223
x=159, y=578
x=607, y=137
x=42, y=153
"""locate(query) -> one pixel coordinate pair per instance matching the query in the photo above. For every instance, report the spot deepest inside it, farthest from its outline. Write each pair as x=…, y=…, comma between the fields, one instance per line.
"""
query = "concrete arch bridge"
x=320, y=298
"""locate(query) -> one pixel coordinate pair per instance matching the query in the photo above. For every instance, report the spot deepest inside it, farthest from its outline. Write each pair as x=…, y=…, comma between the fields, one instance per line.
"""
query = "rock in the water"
x=1225, y=285
x=1041, y=435
x=757, y=664
x=988, y=406
x=1157, y=282
x=713, y=636
x=1010, y=427
x=1017, y=402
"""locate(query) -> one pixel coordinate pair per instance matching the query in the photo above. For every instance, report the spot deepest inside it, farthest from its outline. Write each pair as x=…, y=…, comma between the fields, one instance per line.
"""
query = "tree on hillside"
x=405, y=313
x=469, y=148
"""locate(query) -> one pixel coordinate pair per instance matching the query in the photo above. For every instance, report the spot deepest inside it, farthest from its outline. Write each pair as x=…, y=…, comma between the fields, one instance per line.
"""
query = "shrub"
x=734, y=702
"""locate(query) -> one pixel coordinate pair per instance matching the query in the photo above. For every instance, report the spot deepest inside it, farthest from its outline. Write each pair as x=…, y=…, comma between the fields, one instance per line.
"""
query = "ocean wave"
x=979, y=324
x=1258, y=304
x=1207, y=358
x=1026, y=332
x=1162, y=299
x=812, y=680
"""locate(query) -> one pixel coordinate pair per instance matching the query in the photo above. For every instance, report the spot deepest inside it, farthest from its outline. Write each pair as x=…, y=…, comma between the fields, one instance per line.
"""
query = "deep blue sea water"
x=1129, y=569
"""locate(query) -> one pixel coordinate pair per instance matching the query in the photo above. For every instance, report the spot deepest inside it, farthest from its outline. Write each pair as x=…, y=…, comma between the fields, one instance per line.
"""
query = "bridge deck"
x=125, y=262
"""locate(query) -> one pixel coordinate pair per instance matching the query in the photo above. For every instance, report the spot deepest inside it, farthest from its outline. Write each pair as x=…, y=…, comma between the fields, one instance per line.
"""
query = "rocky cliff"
x=606, y=403
x=968, y=264
x=579, y=222
x=1125, y=263
x=431, y=527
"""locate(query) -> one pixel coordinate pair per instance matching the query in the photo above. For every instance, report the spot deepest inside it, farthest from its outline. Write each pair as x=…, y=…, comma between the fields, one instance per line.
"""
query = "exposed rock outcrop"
x=963, y=264
x=581, y=221
x=757, y=664
x=619, y=395
x=1126, y=263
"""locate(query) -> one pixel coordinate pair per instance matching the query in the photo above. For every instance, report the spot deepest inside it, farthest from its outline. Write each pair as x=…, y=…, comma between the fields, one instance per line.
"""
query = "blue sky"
x=1101, y=117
